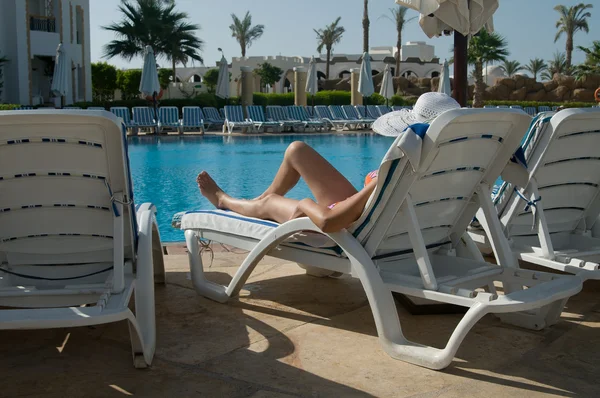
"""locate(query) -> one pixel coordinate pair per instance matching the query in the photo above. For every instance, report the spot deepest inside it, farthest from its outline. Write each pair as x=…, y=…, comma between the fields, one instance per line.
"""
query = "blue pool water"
x=164, y=169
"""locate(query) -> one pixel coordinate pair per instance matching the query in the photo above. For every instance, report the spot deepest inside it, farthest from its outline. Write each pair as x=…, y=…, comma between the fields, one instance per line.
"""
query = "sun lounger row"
x=75, y=249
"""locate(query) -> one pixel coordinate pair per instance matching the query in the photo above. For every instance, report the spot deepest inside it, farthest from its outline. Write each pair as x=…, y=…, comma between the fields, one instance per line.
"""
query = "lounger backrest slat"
x=383, y=109
x=372, y=111
x=212, y=114
x=562, y=154
x=298, y=113
x=58, y=173
x=234, y=113
x=544, y=108
x=192, y=116
x=143, y=116
x=461, y=149
x=337, y=112
x=256, y=113
x=168, y=114
x=530, y=110
x=322, y=112
x=274, y=113
x=350, y=112
x=362, y=111
x=122, y=112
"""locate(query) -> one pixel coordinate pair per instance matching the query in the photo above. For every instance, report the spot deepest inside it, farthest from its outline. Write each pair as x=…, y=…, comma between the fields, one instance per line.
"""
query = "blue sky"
x=528, y=25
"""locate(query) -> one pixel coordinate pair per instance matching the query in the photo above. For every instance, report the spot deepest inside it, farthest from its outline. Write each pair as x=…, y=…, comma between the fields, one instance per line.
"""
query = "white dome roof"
x=494, y=71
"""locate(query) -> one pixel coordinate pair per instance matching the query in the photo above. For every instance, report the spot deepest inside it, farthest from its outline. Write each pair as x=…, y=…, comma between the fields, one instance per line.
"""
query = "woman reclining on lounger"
x=338, y=204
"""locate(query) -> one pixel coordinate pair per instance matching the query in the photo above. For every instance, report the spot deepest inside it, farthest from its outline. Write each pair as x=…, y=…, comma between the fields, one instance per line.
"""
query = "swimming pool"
x=164, y=169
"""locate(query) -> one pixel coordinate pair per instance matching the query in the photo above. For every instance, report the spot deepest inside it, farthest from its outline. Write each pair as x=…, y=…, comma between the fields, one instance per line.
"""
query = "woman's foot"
x=211, y=191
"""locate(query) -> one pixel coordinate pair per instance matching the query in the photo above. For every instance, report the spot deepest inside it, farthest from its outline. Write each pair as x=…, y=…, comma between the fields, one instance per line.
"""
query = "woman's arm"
x=341, y=216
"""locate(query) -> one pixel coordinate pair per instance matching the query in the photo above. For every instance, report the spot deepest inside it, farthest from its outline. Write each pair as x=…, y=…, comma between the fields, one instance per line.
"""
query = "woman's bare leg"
x=324, y=181
x=270, y=207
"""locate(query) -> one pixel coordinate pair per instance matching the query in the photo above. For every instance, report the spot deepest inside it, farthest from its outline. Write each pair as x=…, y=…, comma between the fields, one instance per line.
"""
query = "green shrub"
x=273, y=99
x=398, y=100
x=331, y=97
x=8, y=107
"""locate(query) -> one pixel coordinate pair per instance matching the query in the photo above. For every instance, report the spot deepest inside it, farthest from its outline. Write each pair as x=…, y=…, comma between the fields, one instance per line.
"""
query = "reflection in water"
x=164, y=169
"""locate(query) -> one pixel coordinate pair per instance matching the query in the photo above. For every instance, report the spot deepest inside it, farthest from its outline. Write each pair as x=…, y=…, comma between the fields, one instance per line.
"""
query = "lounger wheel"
x=139, y=362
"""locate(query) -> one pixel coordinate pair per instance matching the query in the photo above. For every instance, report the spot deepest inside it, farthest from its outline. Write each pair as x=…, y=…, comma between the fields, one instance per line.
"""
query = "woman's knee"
x=296, y=148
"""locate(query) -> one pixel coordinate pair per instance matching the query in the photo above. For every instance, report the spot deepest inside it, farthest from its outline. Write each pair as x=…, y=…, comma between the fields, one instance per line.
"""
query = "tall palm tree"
x=153, y=23
x=557, y=65
x=183, y=45
x=592, y=61
x=535, y=66
x=332, y=34
x=244, y=32
x=365, y=24
x=572, y=19
x=484, y=47
x=511, y=67
x=398, y=17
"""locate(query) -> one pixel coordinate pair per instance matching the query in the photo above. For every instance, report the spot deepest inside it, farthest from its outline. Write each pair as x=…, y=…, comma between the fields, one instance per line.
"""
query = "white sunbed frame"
x=68, y=253
x=564, y=171
x=244, y=124
x=448, y=273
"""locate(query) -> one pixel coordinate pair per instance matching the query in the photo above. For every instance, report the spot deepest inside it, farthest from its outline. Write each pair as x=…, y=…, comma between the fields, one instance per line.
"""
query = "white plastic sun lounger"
x=73, y=249
x=143, y=117
x=125, y=114
x=257, y=116
x=168, y=117
x=234, y=118
x=281, y=115
x=299, y=113
x=561, y=230
x=324, y=113
x=410, y=238
x=193, y=118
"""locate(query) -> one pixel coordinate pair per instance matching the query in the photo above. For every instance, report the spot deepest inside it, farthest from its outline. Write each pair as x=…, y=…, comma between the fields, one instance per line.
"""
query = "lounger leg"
x=203, y=286
x=142, y=329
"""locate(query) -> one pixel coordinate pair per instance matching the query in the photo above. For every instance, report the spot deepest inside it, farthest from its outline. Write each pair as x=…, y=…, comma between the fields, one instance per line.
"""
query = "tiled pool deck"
x=289, y=334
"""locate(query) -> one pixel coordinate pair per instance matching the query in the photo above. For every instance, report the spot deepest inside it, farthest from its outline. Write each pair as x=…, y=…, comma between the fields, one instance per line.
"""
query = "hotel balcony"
x=44, y=35
x=42, y=24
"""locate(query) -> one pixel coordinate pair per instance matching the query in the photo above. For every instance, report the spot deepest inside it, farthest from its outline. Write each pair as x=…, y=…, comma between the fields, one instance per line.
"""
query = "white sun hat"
x=427, y=108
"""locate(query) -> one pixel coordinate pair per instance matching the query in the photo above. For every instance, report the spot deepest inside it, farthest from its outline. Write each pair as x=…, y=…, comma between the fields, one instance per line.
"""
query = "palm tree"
x=365, y=24
x=557, y=65
x=332, y=34
x=511, y=67
x=183, y=45
x=484, y=47
x=153, y=23
x=592, y=61
x=572, y=19
x=536, y=66
x=399, y=18
x=244, y=32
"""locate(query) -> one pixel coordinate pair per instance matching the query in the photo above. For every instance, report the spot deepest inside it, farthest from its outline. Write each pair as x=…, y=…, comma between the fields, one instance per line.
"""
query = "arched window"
x=196, y=79
x=409, y=73
x=435, y=74
x=344, y=74
x=321, y=75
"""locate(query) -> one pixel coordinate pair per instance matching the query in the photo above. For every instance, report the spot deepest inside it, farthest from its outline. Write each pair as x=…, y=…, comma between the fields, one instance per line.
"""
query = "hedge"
x=8, y=107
